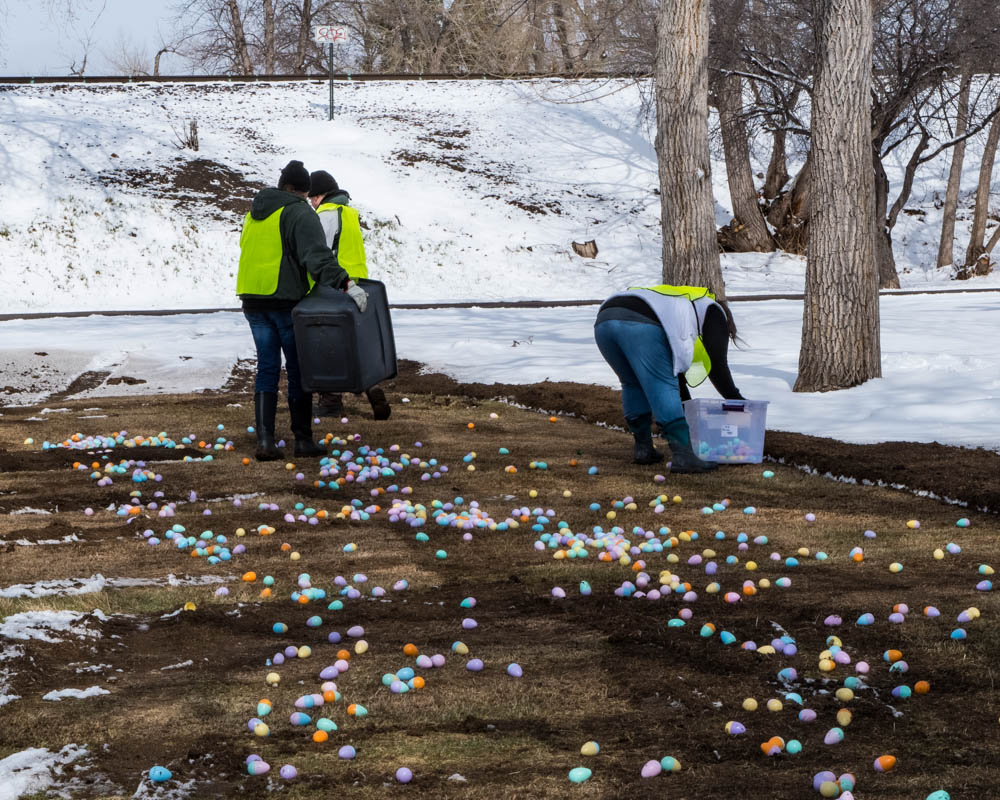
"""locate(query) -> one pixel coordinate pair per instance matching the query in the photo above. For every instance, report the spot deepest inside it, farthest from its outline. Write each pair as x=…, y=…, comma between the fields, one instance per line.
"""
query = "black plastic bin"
x=340, y=349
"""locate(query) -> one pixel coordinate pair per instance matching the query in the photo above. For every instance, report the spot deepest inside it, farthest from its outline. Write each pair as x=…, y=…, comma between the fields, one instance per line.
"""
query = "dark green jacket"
x=304, y=250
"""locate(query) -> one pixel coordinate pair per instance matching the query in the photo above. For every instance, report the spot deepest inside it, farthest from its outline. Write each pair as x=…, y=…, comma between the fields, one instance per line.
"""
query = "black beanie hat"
x=295, y=175
x=322, y=183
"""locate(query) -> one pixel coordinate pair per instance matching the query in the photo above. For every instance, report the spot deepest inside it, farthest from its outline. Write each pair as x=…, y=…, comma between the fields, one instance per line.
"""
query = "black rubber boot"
x=642, y=431
x=380, y=406
x=330, y=405
x=682, y=457
x=301, y=413
x=265, y=406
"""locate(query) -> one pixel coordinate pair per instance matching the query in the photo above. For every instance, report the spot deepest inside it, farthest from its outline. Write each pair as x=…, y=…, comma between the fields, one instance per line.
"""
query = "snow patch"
x=44, y=626
x=181, y=665
x=35, y=770
x=78, y=694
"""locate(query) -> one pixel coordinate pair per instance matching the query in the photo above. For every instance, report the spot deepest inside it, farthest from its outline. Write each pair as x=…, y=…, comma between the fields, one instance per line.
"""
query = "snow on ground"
x=76, y=694
x=7, y=656
x=45, y=625
x=937, y=384
x=470, y=191
x=98, y=583
x=35, y=770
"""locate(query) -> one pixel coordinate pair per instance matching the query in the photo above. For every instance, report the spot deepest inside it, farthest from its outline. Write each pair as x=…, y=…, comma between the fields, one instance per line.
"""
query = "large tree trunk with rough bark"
x=777, y=168
x=690, y=252
x=885, y=261
x=946, y=249
x=977, y=247
x=747, y=232
x=840, y=318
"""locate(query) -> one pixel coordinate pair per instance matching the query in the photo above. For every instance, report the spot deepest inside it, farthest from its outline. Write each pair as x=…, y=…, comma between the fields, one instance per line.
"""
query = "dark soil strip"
x=957, y=473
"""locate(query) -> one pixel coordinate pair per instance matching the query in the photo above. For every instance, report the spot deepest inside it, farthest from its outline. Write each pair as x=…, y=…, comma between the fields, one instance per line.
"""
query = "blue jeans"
x=273, y=332
x=641, y=357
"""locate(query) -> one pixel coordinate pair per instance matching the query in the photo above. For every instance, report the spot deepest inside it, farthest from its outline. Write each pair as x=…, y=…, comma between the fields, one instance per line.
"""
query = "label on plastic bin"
x=731, y=431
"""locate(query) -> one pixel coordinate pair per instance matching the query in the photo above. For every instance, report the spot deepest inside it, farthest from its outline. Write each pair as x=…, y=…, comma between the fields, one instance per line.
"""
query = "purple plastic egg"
x=356, y=632
x=404, y=775
x=347, y=752
x=514, y=670
x=474, y=665
x=288, y=772
x=651, y=769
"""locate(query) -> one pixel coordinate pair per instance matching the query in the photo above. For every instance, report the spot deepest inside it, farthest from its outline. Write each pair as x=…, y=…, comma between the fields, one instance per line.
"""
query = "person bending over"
x=657, y=340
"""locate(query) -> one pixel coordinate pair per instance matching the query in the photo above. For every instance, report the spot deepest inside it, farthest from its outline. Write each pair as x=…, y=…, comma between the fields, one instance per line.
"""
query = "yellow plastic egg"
x=272, y=679
x=827, y=665
x=764, y=583
x=749, y=704
x=751, y=565
x=803, y=551
x=360, y=647
x=845, y=695
x=844, y=717
x=939, y=554
x=774, y=704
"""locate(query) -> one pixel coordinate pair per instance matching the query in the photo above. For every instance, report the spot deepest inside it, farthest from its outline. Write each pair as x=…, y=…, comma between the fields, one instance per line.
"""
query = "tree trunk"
x=789, y=215
x=562, y=34
x=777, y=167
x=687, y=208
x=885, y=261
x=946, y=249
x=978, y=234
x=302, y=46
x=747, y=232
x=269, y=37
x=241, y=51
x=840, y=315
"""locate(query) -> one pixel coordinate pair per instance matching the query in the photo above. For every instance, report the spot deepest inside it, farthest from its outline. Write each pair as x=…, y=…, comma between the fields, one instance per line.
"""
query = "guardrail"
x=320, y=77
x=170, y=312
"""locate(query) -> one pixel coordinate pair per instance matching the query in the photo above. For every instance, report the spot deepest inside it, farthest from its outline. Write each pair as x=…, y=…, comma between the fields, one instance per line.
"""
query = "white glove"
x=358, y=295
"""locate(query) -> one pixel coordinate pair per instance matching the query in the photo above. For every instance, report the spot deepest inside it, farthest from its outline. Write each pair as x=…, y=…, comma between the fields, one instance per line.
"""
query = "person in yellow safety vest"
x=654, y=338
x=283, y=252
x=342, y=227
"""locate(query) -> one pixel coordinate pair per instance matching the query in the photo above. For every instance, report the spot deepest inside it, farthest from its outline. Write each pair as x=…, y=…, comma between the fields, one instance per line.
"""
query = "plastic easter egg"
x=514, y=670
x=347, y=752
x=734, y=728
x=930, y=611
x=356, y=632
x=474, y=665
x=749, y=704
x=579, y=774
x=651, y=769
x=844, y=717
x=767, y=473
x=884, y=763
x=261, y=729
x=829, y=789
x=866, y=619
x=793, y=747
x=590, y=748
x=895, y=566
x=822, y=777
x=913, y=524
x=258, y=767
x=288, y=772
x=833, y=736
x=670, y=764
x=921, y=687
x=938, y=554
x=326, y=725
x=958, y=634
x=272, y=679
x=159, y=774
x=404, y=775
x=940, y=794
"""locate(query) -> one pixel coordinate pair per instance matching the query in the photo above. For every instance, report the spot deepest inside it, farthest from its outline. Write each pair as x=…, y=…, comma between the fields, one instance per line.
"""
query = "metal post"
x=329, y=57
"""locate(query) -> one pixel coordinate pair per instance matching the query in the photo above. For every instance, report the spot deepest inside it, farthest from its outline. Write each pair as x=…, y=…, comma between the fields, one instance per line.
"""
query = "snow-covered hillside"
x=470, y=190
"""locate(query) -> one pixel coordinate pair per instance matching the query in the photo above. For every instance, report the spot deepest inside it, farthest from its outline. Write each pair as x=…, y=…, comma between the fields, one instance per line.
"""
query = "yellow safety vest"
x=350, y=245
x=701, y=364
x=260, y=255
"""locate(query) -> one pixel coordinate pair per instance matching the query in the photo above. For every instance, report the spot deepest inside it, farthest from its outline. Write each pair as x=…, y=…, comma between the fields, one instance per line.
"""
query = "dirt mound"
x=955, y=473
x=197, y=182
